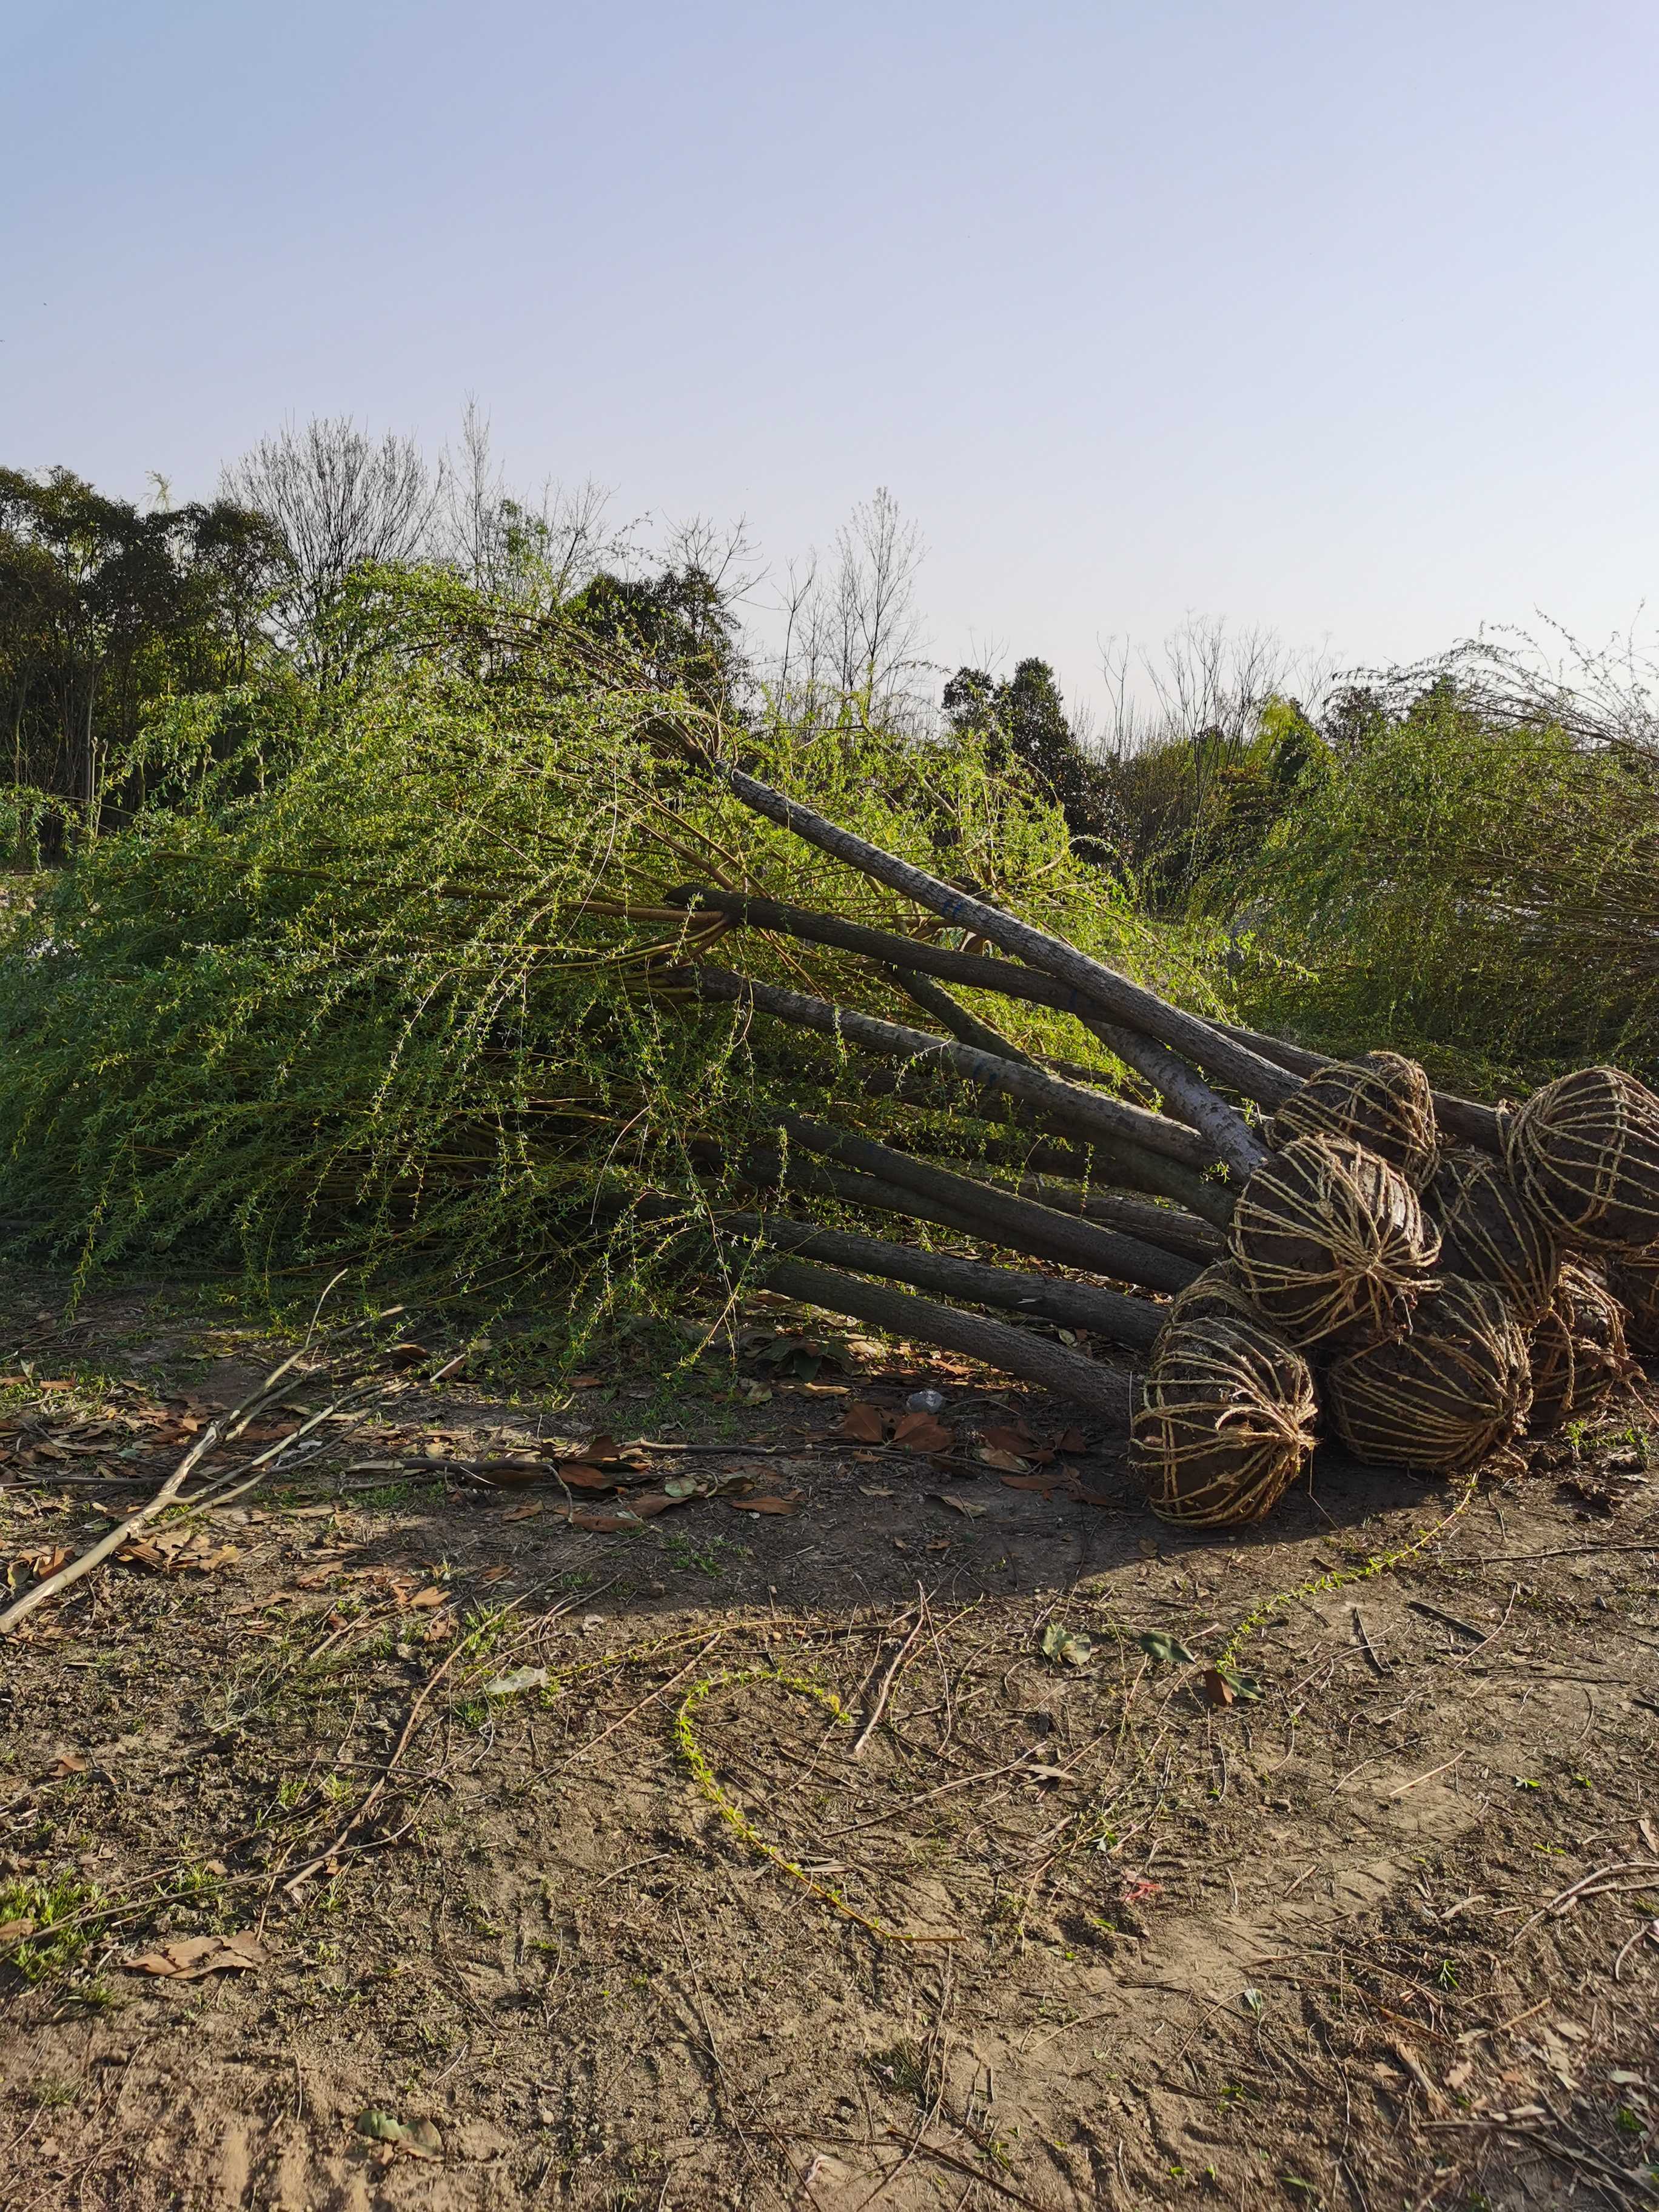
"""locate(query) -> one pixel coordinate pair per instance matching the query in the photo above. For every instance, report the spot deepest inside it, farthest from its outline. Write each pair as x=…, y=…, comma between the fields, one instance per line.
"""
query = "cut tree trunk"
x=1102, y=989
x=1084, y=1113
x=1131, y=1324
x=1001, y=1215
x=1018, y=1352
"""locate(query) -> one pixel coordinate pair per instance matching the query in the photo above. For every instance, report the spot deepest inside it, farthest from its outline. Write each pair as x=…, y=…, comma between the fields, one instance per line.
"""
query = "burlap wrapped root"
x=1584, y=1152
x=1381, y=1100
x=1489, y=1233
x=1225, y=1422
x=1457, y=1388
x=1579, y=1352
x=1331, y=1244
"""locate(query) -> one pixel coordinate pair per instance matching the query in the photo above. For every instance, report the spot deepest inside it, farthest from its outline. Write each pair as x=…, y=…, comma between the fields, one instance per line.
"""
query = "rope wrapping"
x=1226, y=1422
x=1489, y=1233
x=1585, y=1152
x=1634, y=1281
x=1457, y=1388
x=1380, y=1100
x=1579, y=1354
x=1332, y=1243
x=1216, y=1294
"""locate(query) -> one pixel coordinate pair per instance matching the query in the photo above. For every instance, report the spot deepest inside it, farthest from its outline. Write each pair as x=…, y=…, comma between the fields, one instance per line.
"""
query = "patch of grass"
x=52, y=1917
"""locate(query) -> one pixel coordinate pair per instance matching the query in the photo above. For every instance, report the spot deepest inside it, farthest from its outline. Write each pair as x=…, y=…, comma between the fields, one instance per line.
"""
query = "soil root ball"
x=1585, y=1152
x=1457, y=1388
x=1579, y=1354
x=1634, y=1281
x=1331, y=1243
x=1489, y=1233
x=1380, y=1100
x=1217, y=1293
x=1226, y=1422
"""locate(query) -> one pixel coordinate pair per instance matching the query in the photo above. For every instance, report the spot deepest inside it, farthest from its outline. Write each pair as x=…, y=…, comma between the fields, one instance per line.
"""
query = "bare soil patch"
x=887, y=1825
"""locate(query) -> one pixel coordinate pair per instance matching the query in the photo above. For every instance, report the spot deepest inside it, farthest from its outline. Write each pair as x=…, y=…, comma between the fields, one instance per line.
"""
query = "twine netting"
x=1634, y=1281
x=1456, y=1389
x=1584, y=1150
x=1217, y=1293
x=1579, y=1353
x=1331, y=1243
x=1489, y=1233
x=1380, y=1100
x=1226, y=1422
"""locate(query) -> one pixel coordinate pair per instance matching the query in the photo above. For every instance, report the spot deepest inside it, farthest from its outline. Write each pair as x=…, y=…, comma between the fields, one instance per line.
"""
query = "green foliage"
x=1195, y=808
x=104, y=612
x=1485, y=895
x=410, y=1006
x=1022, y=721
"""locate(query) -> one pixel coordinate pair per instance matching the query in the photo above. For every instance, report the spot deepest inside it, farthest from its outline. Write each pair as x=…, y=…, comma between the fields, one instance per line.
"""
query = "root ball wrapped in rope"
x=1489, y=1233
x=1457, y=1388
x=1331, y=1243
x=1579, y=1352
x=1634, y=1281
x=1216, y=1294
x=1225, y=1422
x=1380, y=1100
x=1584, y=1150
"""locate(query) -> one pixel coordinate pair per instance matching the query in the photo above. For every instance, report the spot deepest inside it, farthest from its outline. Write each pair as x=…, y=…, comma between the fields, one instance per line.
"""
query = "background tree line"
x=1461, y=857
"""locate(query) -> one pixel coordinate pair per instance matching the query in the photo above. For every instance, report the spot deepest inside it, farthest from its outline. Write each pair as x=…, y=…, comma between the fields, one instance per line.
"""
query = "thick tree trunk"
x=1016, y=1352
x=1086, y=1113
x=1194, y=1239
x=1131, y=1324
x=1000, y=1214
x=1103, y=988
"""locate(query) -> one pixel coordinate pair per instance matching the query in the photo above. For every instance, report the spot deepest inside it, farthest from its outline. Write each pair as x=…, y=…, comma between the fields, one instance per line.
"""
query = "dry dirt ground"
x=851, y=1826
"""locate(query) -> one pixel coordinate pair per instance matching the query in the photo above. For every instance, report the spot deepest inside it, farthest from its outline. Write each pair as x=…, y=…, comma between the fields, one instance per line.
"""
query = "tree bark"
x=1194, y=1239
x=1016, y=1352
x=1131, y=1324
x=1002, y=1214
x=1086, y=1112
x=1103, y=988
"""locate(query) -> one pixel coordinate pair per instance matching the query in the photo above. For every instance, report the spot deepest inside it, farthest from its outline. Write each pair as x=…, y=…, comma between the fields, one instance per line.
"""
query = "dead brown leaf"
x=920, y=1433
x=577, y=1474
x=861, y=1424
x=1009, y=1436
x=190, y=1957
x=1217, y=1690
x=965, y=1506
x=523, y=1513
x=767, y=1501
x=1071, y=1440
x=1008, y=1462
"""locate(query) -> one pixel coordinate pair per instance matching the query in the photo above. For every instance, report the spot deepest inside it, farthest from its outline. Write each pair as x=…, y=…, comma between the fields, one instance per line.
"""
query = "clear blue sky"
x=1338, y=318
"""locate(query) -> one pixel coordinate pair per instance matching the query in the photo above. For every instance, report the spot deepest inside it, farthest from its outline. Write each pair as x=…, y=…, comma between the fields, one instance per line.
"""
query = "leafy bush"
x=394, y=1007
x=1483, y=893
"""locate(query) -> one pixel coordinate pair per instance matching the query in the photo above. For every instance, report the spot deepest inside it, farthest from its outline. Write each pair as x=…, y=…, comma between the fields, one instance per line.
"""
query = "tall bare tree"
x=339, y=500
